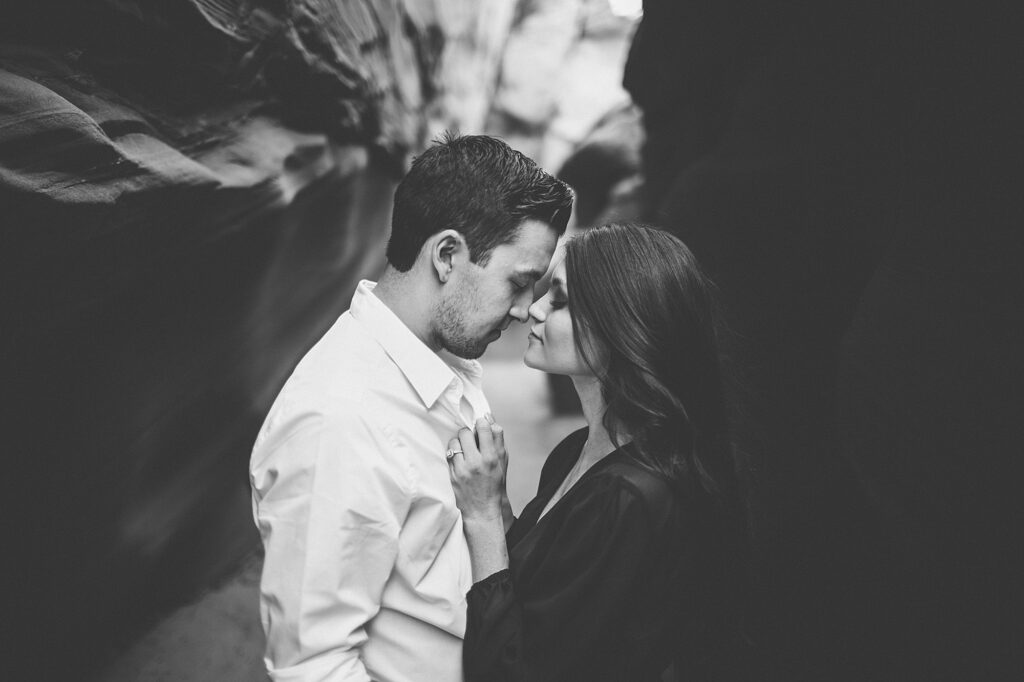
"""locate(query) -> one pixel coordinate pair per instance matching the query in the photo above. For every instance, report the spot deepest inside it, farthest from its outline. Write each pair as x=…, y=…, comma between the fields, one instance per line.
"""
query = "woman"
x=629, y=557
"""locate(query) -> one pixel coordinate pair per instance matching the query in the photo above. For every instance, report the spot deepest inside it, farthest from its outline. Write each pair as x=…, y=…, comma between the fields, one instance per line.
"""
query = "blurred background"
x=191, y=189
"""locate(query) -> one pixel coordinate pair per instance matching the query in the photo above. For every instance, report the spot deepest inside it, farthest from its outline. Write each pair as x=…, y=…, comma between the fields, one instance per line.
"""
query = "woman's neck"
x=599, y=443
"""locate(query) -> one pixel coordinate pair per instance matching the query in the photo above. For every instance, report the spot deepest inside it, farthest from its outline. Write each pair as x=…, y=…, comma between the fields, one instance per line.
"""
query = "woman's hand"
x=477, y=468
x=478, y=471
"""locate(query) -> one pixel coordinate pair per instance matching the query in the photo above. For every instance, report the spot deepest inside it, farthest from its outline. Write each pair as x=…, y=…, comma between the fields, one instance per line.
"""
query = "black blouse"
x=592, y=588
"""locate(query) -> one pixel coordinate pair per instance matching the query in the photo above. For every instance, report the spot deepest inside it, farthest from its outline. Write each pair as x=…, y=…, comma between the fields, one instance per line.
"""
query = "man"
x=366, y=567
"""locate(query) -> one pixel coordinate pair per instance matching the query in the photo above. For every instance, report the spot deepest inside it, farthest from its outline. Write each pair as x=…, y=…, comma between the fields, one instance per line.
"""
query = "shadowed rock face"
x=838, y=169
x=149, y=337
x=189, y=192
x=359, y=71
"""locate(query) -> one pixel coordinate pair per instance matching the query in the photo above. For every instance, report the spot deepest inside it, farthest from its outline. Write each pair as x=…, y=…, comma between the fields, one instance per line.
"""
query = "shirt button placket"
x=457, y=392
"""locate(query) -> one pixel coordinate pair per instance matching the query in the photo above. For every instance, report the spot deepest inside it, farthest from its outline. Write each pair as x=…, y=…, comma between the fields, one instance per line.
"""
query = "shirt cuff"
x=495, y=581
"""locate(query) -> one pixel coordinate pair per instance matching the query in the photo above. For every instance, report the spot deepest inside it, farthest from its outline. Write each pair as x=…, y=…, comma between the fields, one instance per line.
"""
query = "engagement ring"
x=451, y=453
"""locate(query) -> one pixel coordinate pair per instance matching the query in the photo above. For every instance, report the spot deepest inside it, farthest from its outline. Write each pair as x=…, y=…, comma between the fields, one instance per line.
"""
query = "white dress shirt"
x=366, y=566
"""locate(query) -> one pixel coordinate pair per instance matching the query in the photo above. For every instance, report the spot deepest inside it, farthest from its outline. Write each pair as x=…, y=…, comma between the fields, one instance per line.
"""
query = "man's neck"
x=409, y=301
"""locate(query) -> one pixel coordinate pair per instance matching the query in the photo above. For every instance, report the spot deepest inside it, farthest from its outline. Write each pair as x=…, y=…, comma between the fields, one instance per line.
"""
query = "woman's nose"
x=537, y=310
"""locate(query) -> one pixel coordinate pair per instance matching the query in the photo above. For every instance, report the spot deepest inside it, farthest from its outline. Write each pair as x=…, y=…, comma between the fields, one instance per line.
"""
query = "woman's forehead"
x=558, y=273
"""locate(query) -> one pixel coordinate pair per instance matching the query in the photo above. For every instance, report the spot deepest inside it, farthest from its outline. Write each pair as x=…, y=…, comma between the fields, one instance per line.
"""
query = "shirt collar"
x=429, y=373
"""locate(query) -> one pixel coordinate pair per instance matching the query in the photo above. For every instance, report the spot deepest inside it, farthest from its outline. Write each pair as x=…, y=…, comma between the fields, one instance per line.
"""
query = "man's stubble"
x=452, y=332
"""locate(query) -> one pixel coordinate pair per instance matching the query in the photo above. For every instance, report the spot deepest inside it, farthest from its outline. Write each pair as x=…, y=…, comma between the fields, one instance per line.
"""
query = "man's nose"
x=519, y=312
x=521, y=306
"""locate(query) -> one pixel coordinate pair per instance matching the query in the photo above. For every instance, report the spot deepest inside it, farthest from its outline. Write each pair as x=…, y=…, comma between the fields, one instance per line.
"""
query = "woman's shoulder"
x=626, y=476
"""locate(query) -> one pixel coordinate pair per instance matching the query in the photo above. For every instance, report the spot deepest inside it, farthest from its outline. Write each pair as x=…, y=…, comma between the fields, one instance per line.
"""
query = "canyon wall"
x=189, y=192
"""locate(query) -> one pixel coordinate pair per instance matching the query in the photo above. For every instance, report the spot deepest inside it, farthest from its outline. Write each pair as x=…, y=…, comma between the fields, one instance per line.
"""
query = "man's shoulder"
x=346, y=371
x=346, y=353
x=334, y=388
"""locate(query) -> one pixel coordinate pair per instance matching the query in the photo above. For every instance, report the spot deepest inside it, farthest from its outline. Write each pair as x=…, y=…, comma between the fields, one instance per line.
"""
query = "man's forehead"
x=530, y=253
x=532, y=263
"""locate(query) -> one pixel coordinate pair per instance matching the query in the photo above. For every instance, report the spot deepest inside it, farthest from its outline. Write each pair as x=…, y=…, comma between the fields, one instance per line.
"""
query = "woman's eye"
x=556, y=303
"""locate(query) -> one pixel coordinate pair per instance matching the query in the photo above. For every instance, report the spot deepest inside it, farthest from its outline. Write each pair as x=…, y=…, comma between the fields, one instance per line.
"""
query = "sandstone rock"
x=189, y=192
x=561, y=74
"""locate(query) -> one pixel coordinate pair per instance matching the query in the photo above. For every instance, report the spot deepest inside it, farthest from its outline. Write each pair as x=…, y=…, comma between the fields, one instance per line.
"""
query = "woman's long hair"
x=647, y=323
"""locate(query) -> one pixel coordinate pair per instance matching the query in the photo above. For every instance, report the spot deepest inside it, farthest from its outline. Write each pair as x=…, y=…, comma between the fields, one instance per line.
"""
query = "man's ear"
x=447, y=251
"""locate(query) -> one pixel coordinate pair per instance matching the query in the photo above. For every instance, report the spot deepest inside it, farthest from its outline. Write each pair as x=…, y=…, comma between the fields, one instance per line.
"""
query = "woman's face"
x=551, y=347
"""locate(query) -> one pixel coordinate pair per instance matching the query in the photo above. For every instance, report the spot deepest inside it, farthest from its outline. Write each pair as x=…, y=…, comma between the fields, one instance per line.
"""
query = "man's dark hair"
x=478, y=186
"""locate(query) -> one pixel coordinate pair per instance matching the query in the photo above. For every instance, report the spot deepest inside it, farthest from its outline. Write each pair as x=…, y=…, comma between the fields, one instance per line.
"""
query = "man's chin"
x=467, y=351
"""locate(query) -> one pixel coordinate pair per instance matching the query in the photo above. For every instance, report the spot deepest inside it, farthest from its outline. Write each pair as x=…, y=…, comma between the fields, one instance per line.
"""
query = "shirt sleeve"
x=330, y=510
x=547, y=629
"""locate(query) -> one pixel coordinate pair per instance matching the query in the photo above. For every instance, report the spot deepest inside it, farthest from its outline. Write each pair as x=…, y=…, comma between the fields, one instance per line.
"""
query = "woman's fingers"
x=455, y=454
x=485, y=436
x=499, y=444
x=467, y=444
x=480, y=449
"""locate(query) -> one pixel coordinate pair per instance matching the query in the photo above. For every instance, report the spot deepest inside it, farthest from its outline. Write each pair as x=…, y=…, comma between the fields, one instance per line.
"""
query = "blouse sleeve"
x=545, y=630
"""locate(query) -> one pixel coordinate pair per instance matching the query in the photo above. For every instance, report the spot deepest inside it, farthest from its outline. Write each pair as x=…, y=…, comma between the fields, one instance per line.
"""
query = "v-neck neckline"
x=550, y=491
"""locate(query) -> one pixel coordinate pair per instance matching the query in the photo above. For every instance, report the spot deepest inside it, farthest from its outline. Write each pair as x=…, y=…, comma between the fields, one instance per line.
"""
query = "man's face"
x=480, y=302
